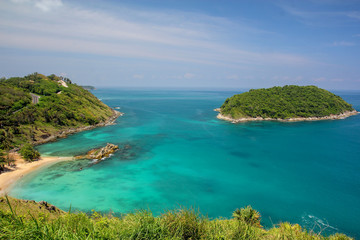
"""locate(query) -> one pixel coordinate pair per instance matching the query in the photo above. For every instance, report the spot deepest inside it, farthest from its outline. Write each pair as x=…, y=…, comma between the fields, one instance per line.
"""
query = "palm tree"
x=248, y=215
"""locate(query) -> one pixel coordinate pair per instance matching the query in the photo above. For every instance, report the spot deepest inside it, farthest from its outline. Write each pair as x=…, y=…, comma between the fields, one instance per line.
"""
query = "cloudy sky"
x=187, y=43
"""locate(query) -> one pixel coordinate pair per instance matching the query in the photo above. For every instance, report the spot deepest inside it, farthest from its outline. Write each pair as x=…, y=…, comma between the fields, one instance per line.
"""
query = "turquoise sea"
x=181, y=155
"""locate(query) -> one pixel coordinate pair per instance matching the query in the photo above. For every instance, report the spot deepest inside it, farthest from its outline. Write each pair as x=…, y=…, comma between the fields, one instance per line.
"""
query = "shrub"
x=29, y=153
x=183, y=223
x=248, y=215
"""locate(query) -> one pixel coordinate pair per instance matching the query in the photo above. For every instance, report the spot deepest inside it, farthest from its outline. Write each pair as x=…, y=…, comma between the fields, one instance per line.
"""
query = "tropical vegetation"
x=23, y=219
x=36, y=106
x=285, y=102
x=29, y=153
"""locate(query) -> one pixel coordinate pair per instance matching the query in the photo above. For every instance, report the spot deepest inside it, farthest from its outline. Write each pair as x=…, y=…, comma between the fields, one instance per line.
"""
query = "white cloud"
x=175, y=36
x=322, y=18
x=343, y=44
x=353, y=14
x=20, y=1
x=44, y=5
x=47, y=5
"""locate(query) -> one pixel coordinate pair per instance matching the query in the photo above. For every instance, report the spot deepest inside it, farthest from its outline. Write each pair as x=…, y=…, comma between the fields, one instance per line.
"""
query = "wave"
x=317, y=225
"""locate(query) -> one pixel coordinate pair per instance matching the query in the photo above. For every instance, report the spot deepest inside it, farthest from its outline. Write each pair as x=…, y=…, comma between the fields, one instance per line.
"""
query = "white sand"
x=7, y=179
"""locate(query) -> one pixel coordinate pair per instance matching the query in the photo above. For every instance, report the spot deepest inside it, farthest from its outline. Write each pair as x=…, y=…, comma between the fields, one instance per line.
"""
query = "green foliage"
x=59, y=108
x=29, y=153
x=187, y=224
x=12, y=99
x=285, y=102
x=2, y=159
x=25, y=221
x=248, y=215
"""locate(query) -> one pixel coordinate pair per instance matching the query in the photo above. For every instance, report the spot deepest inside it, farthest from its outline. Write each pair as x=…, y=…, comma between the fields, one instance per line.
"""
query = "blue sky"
x=187, y=44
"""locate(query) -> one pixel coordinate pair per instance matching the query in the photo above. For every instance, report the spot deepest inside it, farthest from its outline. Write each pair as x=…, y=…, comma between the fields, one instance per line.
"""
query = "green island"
x=27, y=219
x=288, y=103
x=36, y=109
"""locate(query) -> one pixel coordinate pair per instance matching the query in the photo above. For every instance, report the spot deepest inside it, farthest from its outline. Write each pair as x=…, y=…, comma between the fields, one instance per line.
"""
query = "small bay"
x=181, y=155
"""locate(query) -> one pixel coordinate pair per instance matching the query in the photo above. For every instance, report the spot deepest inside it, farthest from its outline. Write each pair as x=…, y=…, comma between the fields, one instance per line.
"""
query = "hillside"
x=38, y=108
x=282, y=103
x=23, y=219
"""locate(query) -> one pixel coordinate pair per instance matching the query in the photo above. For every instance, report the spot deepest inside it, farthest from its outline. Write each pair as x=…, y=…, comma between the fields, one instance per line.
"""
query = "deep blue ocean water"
x=181, y=155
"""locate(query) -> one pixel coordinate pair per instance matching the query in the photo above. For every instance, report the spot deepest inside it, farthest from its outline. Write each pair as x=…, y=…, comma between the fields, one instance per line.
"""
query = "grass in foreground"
x=20, y=219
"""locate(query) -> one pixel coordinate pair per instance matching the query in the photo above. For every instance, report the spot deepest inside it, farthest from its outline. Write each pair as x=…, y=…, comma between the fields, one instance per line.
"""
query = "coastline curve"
x=9, y=178
x=64, y=133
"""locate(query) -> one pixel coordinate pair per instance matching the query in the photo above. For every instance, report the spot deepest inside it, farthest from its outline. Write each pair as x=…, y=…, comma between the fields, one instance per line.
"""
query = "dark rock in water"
x=47, y=206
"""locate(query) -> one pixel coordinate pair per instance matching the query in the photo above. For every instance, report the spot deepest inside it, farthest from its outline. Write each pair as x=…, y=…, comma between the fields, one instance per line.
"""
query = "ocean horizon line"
x=222, y=89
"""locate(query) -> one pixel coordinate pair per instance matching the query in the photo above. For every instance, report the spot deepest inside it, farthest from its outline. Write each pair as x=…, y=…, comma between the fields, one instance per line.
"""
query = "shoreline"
x=9, y=178
x=298, y=119
x=22, y=167
x=65, y=133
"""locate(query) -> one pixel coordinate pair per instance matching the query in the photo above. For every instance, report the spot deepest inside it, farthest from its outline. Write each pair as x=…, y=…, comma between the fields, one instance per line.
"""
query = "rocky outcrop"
x=296, y=119
x=100, y=153
x=24, y=206
x=48, y=206
x=45, y=138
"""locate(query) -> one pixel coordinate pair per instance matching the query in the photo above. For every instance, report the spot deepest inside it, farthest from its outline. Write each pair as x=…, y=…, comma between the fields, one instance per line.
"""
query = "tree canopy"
x=29, y=153
x=59, y=108
x=285, y=102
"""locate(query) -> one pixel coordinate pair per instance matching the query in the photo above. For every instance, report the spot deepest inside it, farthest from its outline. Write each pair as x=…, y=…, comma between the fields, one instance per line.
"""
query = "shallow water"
x=181, y=155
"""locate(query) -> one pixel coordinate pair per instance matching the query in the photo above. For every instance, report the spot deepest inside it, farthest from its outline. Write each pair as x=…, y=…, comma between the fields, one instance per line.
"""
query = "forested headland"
x=285, y=103
x=36, y=108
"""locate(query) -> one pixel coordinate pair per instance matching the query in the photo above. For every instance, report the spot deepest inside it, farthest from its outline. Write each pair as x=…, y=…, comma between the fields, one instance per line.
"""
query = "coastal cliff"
x=287, y=104
x=64, y=133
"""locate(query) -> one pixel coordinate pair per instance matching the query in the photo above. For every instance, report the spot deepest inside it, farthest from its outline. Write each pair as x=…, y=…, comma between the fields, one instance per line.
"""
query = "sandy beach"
x=7, y=179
